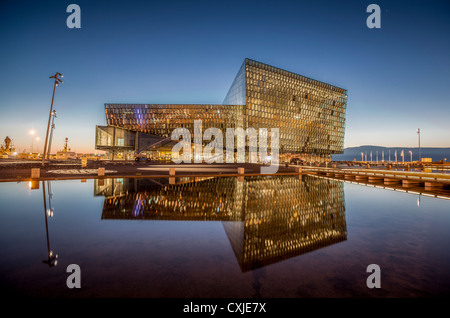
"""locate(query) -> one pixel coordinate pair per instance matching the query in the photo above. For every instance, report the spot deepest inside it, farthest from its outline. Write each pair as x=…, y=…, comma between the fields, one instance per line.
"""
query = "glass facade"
x=109, y=137
x=309, y=114
x=162, y=119
x=237, y=92
x=266, y=219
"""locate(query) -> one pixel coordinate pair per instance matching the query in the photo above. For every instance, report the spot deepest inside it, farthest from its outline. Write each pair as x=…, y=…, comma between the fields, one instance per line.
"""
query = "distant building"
x=309, y=114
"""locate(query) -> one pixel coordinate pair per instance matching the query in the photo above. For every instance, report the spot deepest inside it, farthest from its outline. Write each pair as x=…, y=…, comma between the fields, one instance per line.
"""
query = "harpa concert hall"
x=309, y=115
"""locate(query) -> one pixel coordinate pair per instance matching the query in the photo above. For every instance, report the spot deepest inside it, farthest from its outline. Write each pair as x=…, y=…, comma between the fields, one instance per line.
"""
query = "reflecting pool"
x=280, y=236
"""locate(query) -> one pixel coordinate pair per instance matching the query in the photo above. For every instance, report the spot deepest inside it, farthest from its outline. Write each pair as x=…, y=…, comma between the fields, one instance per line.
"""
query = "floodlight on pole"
x=56, y=83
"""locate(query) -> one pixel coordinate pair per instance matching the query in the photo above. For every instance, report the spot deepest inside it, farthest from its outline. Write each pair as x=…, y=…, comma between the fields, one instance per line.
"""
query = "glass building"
x=309, y=114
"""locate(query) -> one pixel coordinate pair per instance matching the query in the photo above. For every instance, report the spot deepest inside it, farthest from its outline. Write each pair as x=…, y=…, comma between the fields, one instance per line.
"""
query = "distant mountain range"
x=436, y=154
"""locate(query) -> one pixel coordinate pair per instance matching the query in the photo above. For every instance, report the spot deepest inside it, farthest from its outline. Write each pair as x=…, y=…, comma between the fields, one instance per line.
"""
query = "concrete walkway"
x=122, y=169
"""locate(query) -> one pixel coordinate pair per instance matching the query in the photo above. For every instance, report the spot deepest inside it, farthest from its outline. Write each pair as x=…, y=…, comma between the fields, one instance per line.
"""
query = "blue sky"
x=397, y=77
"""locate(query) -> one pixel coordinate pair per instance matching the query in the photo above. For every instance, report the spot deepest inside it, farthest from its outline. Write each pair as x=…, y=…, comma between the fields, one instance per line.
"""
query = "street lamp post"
x=32, y=132
x=37, y=146
x=56, y=83
x=418, y=133
x=51, y=134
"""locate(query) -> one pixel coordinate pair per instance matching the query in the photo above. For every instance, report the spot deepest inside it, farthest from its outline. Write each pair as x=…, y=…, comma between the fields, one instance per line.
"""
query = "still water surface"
x=281, y=236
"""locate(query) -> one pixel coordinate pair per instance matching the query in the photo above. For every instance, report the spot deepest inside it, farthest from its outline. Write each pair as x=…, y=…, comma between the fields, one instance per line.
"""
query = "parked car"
x=296, y=161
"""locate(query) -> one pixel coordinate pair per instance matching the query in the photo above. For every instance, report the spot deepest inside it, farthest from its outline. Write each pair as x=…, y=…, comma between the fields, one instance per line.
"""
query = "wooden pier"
x=427, y=180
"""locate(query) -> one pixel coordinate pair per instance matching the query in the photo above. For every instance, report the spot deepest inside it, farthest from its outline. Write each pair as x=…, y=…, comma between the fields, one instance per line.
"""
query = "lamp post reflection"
x=52, y=259
x=50, y=197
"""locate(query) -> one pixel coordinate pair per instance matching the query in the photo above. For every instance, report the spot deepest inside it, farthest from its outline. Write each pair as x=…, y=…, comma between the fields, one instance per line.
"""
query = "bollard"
x=34, y=184
x=35, y=173
x=171, y=171
x=101, y=171
x=241, y=170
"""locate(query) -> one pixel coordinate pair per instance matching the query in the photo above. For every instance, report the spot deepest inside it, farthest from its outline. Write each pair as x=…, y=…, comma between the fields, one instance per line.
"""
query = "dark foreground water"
x=280, y=236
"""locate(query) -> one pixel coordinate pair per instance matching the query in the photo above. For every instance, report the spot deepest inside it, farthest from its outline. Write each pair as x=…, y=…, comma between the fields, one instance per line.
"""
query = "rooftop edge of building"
x=248, y=61
x=168, y=104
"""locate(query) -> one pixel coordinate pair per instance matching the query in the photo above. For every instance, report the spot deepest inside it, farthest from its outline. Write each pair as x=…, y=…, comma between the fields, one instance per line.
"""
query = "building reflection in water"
x=266, y=219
